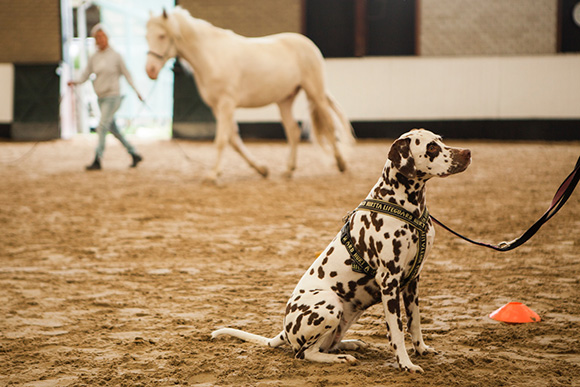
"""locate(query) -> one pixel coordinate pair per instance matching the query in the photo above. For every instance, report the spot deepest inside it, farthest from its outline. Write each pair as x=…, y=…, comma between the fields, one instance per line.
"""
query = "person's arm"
x=85, y=75
x=128, y=76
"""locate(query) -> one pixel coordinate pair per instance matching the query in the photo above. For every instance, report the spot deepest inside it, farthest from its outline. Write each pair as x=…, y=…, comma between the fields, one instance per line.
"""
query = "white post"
x=82, y=111
x=67, y=114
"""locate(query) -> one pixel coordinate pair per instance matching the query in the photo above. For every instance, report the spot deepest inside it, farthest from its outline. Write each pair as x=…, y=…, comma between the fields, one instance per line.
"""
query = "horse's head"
x=161, y=33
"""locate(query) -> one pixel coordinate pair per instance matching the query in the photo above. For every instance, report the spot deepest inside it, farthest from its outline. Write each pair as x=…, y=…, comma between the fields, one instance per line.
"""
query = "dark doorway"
x=36, y=103
x=391, y=27
x=347, y=28
x=569, y=14
x=330, y=24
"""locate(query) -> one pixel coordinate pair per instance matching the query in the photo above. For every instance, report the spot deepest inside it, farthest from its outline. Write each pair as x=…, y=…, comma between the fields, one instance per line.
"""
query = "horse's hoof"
x=263, y=171
x=210, y=178
x=288, y=174
x=341, y=165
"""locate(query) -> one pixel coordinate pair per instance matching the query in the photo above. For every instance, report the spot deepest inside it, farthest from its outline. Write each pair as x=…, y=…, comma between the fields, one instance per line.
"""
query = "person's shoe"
x=136, y=160
x=95, y=166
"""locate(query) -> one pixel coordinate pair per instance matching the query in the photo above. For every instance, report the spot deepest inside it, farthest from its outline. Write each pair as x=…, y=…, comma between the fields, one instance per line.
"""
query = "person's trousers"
x=108, y=107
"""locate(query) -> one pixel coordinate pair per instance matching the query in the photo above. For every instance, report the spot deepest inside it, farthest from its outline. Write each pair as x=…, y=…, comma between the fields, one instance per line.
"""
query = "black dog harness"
x=421, y=224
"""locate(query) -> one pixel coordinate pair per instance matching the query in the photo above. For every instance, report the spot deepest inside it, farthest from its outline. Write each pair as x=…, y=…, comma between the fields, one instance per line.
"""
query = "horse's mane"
x=182, y=13
x=182, y=16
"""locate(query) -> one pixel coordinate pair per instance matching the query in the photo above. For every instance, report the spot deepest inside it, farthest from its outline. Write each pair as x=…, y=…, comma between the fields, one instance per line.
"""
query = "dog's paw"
x=347, y=359
x=410, y=367
x=423, y=350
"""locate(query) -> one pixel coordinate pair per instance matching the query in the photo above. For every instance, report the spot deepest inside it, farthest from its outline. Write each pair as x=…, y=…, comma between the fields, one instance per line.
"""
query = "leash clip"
x=347, y=216
x=506, y=245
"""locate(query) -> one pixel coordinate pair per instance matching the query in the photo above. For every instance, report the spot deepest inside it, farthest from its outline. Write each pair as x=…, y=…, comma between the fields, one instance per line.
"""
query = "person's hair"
x=97, y=28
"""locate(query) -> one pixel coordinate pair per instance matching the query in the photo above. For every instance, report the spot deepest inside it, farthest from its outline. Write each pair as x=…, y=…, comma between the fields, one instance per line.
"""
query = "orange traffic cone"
x=515, y=313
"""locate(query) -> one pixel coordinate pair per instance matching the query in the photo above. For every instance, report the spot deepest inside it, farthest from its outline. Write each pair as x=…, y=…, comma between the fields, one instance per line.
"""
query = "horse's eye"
x=431, y=148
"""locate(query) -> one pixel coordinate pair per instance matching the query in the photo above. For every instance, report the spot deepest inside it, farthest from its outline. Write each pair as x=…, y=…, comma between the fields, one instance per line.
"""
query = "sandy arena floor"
x=117, y=277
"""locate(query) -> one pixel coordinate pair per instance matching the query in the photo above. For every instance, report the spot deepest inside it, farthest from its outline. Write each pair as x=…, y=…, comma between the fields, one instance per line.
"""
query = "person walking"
x=108, y=66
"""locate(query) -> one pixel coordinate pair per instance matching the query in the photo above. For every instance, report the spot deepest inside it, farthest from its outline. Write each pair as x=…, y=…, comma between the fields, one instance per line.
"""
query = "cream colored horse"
x=234, y=71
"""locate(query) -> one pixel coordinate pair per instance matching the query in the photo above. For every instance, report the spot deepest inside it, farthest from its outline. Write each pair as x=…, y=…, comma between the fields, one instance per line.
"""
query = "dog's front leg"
x=411, y=300
x=392, y=305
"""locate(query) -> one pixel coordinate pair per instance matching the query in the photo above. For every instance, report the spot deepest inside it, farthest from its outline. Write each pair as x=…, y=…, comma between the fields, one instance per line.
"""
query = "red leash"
x=560, y=198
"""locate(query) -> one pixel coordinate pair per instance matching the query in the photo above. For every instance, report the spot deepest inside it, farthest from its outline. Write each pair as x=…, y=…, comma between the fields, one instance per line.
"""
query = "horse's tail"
x=345, y=131
x=250, y=337
x=330, y=126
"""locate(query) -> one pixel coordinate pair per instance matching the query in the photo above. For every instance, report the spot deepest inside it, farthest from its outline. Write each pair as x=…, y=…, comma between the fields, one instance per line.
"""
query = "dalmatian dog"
x=376, y=258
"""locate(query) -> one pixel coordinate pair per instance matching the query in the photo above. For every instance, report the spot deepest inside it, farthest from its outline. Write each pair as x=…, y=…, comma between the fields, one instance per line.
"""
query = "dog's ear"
x=401, y=157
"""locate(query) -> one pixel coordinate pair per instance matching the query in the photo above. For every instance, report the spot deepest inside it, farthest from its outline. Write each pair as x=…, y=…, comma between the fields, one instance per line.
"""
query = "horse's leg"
x=227, y=131
x=292, y=132
x=224, y=114
x=238, y=144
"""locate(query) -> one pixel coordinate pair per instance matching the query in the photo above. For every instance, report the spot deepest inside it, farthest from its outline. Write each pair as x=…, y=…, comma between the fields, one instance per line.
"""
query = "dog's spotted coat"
x=330, y=297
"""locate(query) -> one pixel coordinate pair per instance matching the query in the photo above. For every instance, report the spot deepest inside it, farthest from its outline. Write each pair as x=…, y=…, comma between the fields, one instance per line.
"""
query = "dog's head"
x=422, y=154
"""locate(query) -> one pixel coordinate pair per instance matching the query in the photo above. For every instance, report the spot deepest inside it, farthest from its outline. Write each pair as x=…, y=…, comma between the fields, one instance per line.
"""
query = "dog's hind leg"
x=314, y=326
x=351, y=345
x=313, y=353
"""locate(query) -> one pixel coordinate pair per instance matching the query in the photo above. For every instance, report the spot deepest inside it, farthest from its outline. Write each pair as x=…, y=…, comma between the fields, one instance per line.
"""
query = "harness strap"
x=562, y=194
x=394, y=210
x=359, y=265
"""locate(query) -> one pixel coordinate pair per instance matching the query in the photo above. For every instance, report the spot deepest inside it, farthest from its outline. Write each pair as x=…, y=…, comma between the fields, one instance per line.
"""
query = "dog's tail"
x=276, y=341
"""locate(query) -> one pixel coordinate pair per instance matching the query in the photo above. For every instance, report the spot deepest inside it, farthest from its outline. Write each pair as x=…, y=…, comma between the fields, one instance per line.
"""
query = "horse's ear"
x=172, y=25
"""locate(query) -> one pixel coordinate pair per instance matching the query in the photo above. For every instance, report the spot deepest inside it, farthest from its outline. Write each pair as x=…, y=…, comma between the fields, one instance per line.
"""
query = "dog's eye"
x=432, y=148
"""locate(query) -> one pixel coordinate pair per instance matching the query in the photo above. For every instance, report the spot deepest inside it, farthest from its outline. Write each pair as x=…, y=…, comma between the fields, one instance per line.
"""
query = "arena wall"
x=490, y=27
x=30, y=31
x=249, y=18
x=534, y=96
x=31, y=49
x=493, y=60
x=477, y=62
x=494, y=87
x=6, y=98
